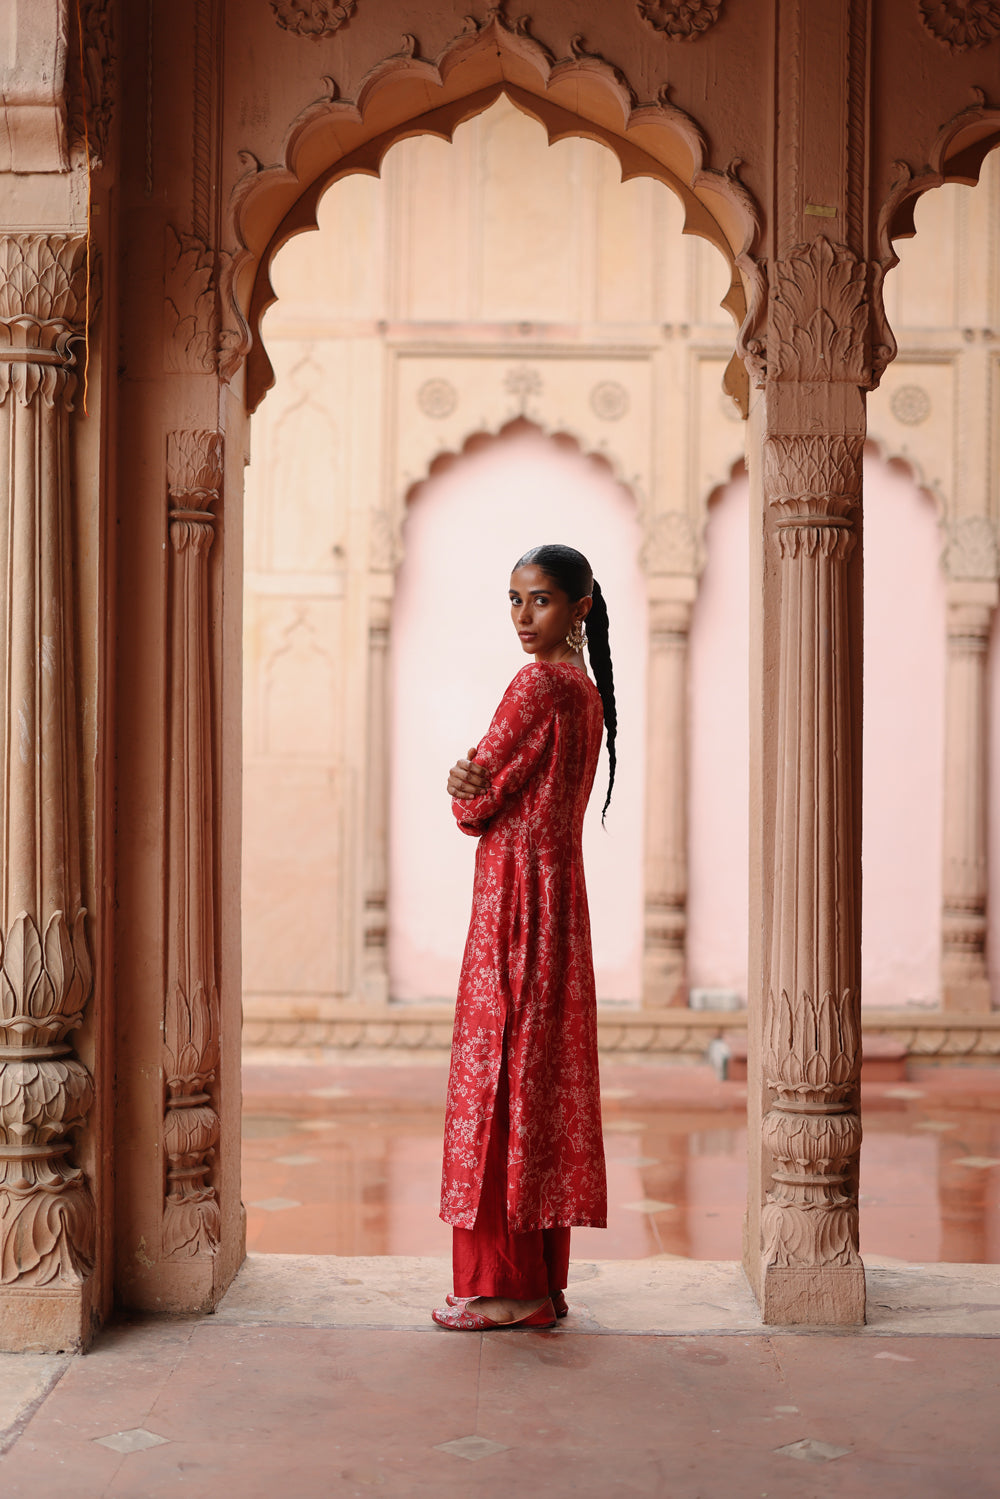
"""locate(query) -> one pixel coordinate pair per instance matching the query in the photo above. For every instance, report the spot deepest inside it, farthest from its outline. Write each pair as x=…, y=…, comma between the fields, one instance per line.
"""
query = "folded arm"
x=508, y=754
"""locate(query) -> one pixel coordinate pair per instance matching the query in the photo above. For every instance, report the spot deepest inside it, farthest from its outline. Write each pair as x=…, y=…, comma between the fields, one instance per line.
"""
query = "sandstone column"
x=191, y=1223
x=810, y=352
x=47, y=1215
x=965, y=985
x=664, y=977
x=376, y=825
x=812, y=1013
x=805, y=1022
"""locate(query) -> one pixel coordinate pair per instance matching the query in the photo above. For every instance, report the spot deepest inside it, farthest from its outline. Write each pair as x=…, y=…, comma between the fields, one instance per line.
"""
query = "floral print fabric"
x=526, y=998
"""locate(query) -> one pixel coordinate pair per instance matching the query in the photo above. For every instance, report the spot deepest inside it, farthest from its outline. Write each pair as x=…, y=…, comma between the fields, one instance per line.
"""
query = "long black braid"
x=571, y=572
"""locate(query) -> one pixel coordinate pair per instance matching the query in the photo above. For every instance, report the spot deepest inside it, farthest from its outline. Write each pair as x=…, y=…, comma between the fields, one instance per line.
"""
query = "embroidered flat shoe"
x=462, y=1318
x=558, y=1302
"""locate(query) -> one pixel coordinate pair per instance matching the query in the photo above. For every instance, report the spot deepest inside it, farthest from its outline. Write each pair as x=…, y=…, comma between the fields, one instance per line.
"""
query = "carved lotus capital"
x=812, y=1046
x=44, y=980
x=191, y=1038
x=194, y=468
x=42, y=276
x=822, y=469
x=42, y=303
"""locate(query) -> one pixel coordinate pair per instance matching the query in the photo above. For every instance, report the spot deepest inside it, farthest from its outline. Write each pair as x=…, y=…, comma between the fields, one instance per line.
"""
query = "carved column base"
x=821, y=1296
x=965, y=996
x=664, y=970
x=48, y=1319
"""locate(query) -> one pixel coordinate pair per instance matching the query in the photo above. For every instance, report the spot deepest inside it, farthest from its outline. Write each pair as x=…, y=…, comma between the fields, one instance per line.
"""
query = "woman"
x=524, y=1153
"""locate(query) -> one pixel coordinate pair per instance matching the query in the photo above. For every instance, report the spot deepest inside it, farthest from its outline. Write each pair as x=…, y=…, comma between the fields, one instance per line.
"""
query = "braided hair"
x=571, y=572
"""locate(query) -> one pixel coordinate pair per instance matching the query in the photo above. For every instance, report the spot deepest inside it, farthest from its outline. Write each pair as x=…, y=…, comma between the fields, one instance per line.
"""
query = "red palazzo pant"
x=489, y=1260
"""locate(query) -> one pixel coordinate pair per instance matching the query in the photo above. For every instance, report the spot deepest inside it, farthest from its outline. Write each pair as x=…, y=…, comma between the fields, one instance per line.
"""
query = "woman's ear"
x=582, y=607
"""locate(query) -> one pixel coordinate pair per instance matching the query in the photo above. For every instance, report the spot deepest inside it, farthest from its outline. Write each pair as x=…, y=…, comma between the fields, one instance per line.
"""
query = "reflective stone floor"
x=342, y=1158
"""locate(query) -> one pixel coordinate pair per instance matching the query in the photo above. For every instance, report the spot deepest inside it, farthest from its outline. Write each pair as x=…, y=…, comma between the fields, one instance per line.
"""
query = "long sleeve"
x=512, y=747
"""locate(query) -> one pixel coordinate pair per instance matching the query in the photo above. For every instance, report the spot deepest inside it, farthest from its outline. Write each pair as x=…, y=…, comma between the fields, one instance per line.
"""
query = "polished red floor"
x=345, y=1159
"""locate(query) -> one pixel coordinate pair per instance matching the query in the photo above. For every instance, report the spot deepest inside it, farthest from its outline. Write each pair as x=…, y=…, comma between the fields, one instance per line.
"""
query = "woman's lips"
x=526, y=635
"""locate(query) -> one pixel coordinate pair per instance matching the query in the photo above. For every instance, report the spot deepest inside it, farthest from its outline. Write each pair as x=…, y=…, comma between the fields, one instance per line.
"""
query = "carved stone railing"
x=191, y=1221
x=46, y=1207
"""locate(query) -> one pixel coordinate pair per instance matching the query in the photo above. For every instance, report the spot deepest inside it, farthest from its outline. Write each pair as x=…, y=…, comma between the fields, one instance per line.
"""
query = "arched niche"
x=903, y=739
x=453, y=653
x=407, y=95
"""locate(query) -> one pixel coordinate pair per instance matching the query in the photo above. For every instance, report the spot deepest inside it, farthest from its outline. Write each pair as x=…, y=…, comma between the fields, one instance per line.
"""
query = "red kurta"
x=528, y=969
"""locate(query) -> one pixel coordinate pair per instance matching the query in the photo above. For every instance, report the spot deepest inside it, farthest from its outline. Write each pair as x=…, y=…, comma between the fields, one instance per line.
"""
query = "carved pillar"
x=191, y=1009
x=812, y=1015
x=805, y=1022
x=965, y=985
x=376, y=854
x=664, y=979
x=47, y=1214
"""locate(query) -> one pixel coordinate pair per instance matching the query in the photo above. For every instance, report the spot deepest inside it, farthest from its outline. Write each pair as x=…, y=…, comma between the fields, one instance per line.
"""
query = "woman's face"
x=542, y=613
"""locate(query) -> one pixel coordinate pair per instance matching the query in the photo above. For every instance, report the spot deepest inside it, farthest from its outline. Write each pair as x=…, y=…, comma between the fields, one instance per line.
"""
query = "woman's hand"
x=466, y=779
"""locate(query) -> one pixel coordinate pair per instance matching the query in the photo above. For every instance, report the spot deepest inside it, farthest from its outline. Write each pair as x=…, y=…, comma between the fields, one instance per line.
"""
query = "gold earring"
x=576, y=637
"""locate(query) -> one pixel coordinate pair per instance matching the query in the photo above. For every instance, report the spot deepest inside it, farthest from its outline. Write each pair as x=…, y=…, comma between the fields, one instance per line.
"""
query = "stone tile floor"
x=324, y=1377
x=346, y=1159
x=273, y=1397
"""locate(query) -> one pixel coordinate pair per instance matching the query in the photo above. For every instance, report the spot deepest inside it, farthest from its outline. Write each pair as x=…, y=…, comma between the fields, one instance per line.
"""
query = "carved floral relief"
x=192, y=308
x=819, y=315
x=961, y=25
x=312, y=18
x=972, y=550
x=92, y=87
x=680, y=20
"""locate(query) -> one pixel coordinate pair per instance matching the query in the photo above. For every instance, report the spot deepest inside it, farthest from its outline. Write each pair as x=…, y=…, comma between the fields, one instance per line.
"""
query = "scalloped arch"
x=887, y=453
x=406, y=95
x=960, y=148
x=514, y=427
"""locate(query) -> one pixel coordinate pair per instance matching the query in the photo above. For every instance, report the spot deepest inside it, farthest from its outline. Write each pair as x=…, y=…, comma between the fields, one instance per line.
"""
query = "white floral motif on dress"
x=528, y=964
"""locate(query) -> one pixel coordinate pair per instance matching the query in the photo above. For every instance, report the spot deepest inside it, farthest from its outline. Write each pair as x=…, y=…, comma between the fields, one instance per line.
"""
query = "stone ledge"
x=641, y=1033
x=662, y=1296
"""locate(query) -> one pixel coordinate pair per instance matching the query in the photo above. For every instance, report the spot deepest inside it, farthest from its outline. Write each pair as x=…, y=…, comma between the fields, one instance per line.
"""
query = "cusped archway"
x=407, y=95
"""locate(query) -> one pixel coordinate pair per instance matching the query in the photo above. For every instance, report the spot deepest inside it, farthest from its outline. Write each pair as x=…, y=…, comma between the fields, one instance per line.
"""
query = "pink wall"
x=719, y=749
x=903, y=757
x=453, y=653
